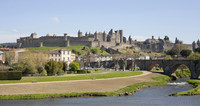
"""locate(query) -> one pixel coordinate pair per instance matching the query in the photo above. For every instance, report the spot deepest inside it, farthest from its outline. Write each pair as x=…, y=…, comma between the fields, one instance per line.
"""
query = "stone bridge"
x=170, y=66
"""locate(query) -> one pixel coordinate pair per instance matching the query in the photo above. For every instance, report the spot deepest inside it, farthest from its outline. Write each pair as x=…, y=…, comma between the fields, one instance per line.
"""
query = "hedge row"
x=10, y=75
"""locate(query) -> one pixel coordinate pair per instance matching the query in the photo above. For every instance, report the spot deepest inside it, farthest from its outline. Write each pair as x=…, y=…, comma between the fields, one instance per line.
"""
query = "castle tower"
x=111, y=32
x=176, y=40
x=86, y=34
x=104, y=36
x=198, y=43
x=79, y=34
x=121, y=36
x=130, y=39
x=34, y=35
x=95, y=35
x=194, y=45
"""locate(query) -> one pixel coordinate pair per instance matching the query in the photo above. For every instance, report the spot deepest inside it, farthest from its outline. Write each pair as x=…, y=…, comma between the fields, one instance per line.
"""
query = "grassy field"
x=124, y=91
x=195, y=91
x=77, y=49
x=113, y=74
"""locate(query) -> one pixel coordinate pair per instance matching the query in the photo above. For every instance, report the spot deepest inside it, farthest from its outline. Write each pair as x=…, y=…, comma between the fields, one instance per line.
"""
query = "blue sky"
x=139, y=18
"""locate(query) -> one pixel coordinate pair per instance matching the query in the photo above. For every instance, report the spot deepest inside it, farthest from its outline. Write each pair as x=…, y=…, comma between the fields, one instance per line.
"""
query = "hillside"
x=78, y=50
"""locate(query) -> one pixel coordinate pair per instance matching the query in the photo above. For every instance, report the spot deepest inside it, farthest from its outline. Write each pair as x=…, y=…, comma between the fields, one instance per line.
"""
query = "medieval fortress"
x=98, y=39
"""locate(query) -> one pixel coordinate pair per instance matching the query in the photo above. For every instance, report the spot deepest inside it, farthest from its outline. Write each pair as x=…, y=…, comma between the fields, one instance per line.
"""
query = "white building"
x=144, y=57
x=62, y=55
x=1, y=56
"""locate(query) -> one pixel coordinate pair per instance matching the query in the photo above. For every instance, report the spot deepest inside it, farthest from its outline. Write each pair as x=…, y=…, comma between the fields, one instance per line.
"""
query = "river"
x=154, y=96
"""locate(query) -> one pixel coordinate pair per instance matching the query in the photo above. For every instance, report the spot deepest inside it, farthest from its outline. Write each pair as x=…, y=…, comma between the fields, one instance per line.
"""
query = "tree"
x=74, y=66
x=52, y=68
x=94, y=51
x=168, y=57
x=185, y=53
x=197, y=50
x=65, y=66
x=1, y=46
x=195, y=56
x=172, y=52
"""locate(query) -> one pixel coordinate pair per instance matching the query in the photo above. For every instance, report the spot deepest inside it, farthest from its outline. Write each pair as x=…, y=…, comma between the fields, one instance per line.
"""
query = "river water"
x=154, y=96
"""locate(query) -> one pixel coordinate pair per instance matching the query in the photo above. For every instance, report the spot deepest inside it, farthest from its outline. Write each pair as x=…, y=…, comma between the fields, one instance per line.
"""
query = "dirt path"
x=98, y=85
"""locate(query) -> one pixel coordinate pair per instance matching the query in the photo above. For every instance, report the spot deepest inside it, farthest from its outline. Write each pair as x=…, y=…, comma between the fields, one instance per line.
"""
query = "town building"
x=62, y=55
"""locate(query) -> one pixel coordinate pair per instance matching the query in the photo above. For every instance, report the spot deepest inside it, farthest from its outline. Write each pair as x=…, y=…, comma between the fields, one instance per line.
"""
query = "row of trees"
x=185, y=53
x=39, y=64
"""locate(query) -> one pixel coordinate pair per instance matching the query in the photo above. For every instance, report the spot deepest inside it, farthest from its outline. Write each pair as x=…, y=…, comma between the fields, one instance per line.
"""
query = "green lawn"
x=68, y=78
x=75, y=48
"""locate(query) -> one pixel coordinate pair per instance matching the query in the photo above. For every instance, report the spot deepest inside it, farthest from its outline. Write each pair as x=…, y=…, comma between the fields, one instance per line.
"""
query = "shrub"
x=70, y=72
x=65, y=66
x=10, y=75
x=40, y=69
x=172, y=52
x=60, y=72
x=185, y=53
x=52, y=68
x=74, y=66
x=197, y=50
x=43, y=73
x=81, y=71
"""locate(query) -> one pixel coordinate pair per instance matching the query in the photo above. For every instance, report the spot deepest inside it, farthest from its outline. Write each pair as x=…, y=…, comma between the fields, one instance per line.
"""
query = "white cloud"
x=56, y=19
x=14, y=30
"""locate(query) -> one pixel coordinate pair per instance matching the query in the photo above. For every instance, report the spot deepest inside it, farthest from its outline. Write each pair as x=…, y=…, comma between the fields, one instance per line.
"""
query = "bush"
x=74, y=66
x=10, y=75
x=172, y=52
x=60, y=72
x=197, y=50
x=183, y=74
x=81, y=71
x=70, y=72
x=40, y=69
x=43, y=73
x=185, y=53
x=52, y=68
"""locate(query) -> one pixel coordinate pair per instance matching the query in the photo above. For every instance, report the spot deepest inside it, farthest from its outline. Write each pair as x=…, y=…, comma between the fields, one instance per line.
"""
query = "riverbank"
x=106, y=87
x=195, y=91
x=108, y=74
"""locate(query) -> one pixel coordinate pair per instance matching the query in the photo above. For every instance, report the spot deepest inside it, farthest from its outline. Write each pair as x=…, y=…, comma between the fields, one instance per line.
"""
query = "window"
x=63, y=52
x=67, y=58
x=52, y=55
x=68, y=52
x=55, y=59
x=63, y=58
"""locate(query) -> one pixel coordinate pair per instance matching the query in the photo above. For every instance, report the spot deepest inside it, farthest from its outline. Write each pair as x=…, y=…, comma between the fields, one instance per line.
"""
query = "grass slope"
x=113, y=74
x=75, y=48
x=124, y=91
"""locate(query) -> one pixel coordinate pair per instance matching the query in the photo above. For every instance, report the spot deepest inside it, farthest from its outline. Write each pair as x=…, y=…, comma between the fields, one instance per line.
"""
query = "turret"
x=176, y=40
x=198, y=43
x=95, y=35
x=111, y=32
x=104, y=36
x=80, y=34
x=194, y=45
x=121, y=36
x=34, y=35
x=86, y=34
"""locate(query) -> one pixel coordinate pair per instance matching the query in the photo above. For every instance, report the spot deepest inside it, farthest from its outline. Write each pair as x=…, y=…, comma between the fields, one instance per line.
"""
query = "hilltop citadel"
x=111, y=39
